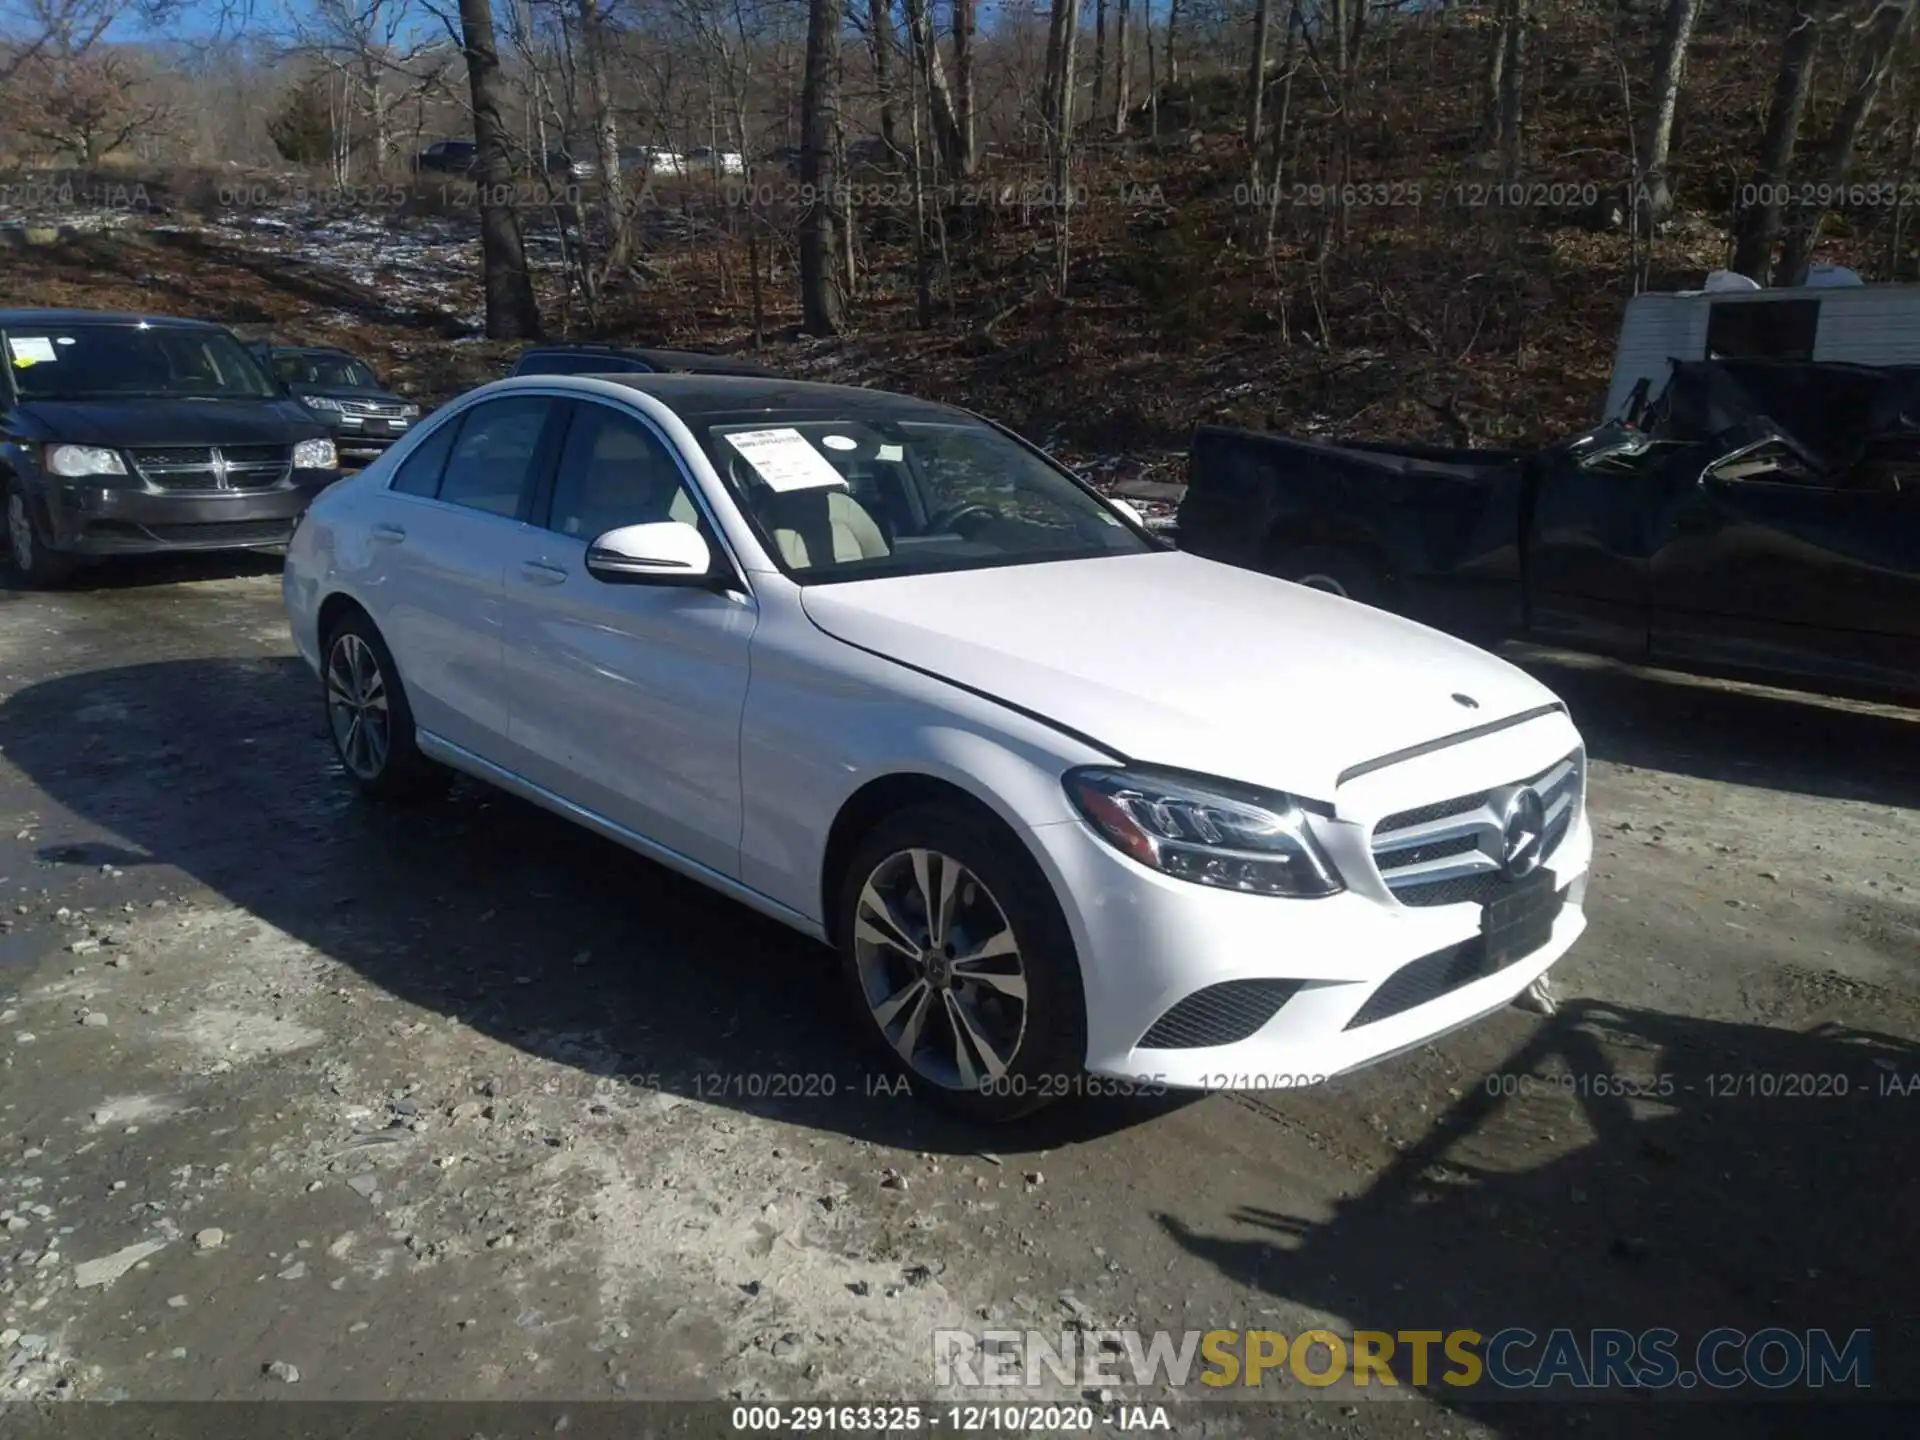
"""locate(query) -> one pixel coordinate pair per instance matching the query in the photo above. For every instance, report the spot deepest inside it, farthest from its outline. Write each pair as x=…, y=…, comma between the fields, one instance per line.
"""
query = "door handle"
x=538, y=572
x=390, y=534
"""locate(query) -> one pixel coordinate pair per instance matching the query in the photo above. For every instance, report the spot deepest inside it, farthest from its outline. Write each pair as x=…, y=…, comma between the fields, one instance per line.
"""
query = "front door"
x=627, y=697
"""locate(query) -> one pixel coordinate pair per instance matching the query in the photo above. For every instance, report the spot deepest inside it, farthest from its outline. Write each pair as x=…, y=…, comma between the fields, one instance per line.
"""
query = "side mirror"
x=666, y=552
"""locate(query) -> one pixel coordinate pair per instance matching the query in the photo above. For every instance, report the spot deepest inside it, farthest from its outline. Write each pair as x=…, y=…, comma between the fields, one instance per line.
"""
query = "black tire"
x=394, y=768
x=1339, y=572
x=30, y=564
x=1049, y=1054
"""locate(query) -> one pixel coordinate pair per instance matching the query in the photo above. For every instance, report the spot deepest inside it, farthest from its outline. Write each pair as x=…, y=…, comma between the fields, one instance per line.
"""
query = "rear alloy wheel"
x=368, y=717
x=959, y=960
x=32, y=564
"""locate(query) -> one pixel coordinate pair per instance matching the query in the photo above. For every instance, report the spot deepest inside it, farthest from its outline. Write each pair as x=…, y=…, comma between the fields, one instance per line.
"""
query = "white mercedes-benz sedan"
x=1067, y=802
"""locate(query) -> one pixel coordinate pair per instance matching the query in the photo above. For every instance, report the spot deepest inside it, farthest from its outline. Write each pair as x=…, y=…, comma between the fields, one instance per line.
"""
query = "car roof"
x=10, y=318
x=707, y=398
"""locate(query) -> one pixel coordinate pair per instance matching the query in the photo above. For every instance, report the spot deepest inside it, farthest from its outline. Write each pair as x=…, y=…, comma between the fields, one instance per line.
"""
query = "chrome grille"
x=1450, y=851
x=212, y=467
x=377, y=409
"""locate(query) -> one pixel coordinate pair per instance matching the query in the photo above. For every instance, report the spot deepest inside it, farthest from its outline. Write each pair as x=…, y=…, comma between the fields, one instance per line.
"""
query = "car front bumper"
x=1375, y=977
x=89, y=518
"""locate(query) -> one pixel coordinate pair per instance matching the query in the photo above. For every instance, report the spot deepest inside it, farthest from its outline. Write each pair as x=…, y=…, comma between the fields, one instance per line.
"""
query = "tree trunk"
x=1257, y=77
x=512, y=313
x=606, y=134
x=883, y=40
x=1122, y=68
x=1172, y=52
x=1675, y=37
x=1056, y=98
x=946, y=129
x=1760, y=222
x=821, y=301
x=1513, y=79
x=965, y=154
x=1491, y=139
x=1099, y=60
x=1886, y=27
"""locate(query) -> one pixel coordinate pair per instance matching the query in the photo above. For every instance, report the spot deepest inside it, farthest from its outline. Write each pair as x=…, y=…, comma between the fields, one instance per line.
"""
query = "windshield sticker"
x=785, y=460
x=892, y=452
x=839, y=442
x=30, y=350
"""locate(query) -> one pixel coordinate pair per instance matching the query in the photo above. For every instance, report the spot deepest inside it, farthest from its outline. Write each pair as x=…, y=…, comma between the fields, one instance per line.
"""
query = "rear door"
x=1773, y=563
x=455, y=514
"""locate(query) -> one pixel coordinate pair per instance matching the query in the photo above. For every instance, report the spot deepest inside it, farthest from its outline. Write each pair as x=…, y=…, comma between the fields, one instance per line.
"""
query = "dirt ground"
x=457, y=1102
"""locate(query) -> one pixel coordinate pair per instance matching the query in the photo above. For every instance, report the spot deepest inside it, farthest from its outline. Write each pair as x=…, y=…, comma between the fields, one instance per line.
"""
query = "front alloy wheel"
x=941, y=969
x=960, y=964
x=357, y=710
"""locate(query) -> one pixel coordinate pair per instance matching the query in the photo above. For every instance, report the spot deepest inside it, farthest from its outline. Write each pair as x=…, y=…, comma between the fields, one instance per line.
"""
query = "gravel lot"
x=459, y=1103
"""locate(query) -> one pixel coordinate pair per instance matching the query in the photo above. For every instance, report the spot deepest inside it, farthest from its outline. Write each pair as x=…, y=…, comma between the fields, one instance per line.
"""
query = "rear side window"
x=497, y=455
x=419, y=473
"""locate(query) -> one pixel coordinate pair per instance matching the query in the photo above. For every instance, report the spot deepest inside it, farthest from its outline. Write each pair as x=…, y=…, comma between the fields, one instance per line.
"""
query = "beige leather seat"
x=627, y=481
x=814, y=527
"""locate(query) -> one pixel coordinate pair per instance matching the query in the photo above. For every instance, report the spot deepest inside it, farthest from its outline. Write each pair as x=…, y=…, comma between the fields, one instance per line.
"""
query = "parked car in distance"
x=652, y=159
x=448, y=157
x=1762, y=518
x=563, y=161
x=130, y=434
x=588, y=359
x=705, y=160
x=345, y=393
x=1065, y=800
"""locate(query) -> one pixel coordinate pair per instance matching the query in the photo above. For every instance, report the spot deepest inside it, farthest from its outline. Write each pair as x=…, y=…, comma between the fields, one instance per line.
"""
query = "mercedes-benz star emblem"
x=218, y=464
x=1523, y=833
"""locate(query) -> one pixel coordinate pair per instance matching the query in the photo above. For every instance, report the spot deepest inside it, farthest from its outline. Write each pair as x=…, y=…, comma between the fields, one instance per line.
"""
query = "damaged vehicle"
x=885, y=672
x=1758, y=518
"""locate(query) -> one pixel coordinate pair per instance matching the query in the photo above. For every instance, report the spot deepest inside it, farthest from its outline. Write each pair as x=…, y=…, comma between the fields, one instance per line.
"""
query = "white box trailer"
x=1858, y=324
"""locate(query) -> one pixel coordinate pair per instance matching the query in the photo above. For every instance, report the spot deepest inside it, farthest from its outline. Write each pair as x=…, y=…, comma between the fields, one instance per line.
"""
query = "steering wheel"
x=961, y=517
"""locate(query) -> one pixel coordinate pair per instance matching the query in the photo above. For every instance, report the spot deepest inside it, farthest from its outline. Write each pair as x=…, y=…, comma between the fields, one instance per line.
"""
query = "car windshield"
x=92, y=361
x=838, y=498
x=340, y=371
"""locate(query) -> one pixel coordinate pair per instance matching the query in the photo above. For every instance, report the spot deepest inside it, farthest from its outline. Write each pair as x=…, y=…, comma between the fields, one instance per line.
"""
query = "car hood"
x=175, y=422
x=1169, y=659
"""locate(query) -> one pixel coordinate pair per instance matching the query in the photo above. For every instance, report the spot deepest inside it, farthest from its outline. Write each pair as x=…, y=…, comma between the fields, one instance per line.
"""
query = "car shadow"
x=1738, y=733
x=1761, y=1177
x=479, y=907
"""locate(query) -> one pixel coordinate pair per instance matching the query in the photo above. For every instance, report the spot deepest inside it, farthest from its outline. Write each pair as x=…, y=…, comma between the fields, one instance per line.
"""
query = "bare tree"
x=73, y=91
x=1122, y=68
x=1675, y=36
x=1760, y=223
x=597, y=62
x=1879, y=36
x=512, y=312
x=376, y=44
x=964, y=151
x=822, y=302
x=1257, y=74
x=884, y=43
x=933, y=74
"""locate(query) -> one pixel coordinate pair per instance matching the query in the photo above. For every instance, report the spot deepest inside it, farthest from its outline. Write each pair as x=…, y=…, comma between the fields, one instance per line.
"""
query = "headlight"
x=409, y=412
x=75, y=460
x=316, y=455
x=1212, y=832
x=322, y=402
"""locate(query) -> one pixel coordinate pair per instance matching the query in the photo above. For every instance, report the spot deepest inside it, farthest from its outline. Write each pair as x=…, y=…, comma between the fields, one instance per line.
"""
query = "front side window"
x=497, y=455
x=842, y=497
x=615, y=472
x=92, y=361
